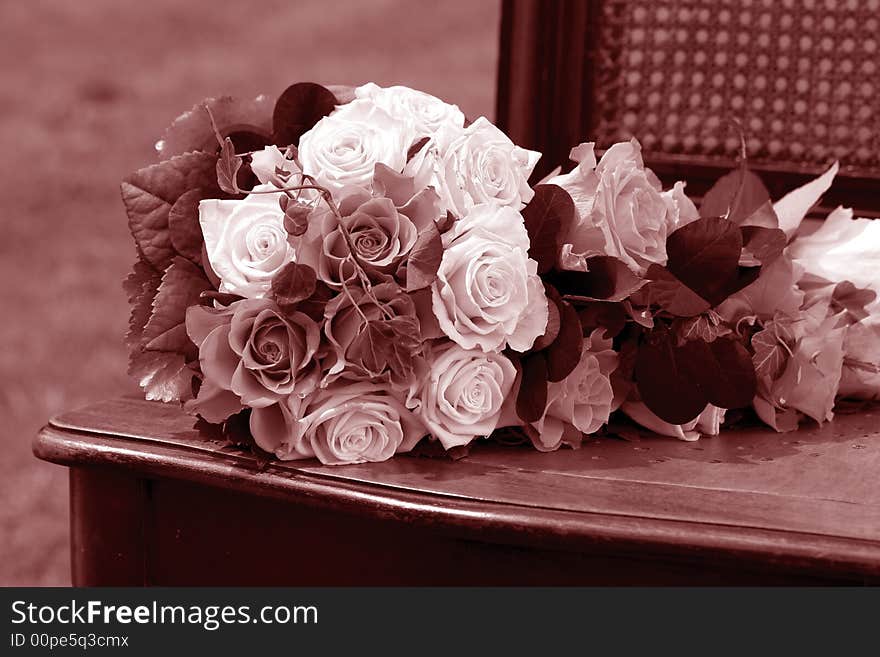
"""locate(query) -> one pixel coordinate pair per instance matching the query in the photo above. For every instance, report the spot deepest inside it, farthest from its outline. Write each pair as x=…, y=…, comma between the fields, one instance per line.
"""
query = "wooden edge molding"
x=473, y=519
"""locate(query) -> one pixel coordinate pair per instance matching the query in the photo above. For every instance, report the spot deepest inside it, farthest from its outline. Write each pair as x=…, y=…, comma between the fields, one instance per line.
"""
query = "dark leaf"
x=553, y=323
x=433, y=449
x=548, y=217
x=181, y=287
x=424, y=259
x=736, y=196
x=667, y=388
x=761, y=245
x=672, y=295
x=445, y=223
x=607, y=279
x=531, y=402
x=208, y=297
x=150, y=193
x=183, y=225
x=564, y=352
x=723, y=368
x=160, y=358
x=140, y=287
x=610, y=316
x=298, y=109
x=234, y=117
x=228, y=165
x=416, y=147
x=294, y=283
x=296, y=216
x=704, y=255
x=246, y=141
x=853, y=300
x=315, y=304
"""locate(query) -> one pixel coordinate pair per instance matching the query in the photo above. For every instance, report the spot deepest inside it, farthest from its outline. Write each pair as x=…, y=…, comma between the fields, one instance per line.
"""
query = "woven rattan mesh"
x=802, y=76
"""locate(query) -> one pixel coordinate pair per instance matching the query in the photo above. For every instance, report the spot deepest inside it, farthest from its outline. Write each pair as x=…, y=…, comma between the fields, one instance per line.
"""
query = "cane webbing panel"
x=802, y=77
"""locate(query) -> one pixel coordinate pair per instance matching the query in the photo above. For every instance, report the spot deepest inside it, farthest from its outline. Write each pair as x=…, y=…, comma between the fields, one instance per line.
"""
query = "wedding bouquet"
x=344, y=274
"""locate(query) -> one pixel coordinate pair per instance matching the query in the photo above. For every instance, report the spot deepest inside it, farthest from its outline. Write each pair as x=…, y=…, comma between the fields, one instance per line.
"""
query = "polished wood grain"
x=806, y=504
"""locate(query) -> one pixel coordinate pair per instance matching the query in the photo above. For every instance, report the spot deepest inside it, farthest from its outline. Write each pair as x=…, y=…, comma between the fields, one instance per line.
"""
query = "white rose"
x=245, y=241
x=426, y=112
x=341, y=424
x=344, y=147
x=622, y=208
x=475, y=165
x=488, y=293
x=463, y=393
x=583, y=399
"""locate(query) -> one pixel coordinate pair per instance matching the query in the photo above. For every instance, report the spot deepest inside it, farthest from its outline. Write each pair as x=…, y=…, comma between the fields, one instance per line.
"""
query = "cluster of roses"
x=358, y=270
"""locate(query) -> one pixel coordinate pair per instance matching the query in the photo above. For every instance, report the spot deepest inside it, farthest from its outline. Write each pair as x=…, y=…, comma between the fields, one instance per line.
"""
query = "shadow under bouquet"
x=347, y=273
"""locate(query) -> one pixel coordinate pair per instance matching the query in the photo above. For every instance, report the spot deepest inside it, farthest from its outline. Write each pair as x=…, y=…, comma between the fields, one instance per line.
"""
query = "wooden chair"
x=155, y=502
x=801, y=76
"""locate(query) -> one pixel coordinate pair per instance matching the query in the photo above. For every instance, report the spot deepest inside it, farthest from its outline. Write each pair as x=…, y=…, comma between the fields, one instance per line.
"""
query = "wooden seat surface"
x=805, y=502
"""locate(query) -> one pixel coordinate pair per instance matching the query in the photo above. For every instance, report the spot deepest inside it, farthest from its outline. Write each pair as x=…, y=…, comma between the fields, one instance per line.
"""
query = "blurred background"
x=90, y=85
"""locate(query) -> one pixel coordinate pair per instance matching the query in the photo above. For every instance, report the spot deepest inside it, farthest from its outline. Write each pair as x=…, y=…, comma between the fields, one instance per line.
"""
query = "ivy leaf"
x=771, y=353
x=149, y=195
x=183, y=225
x=193, y=131
x=736, y=196
x=294, y=283
x=531, y=401
x=228, y=165
x=424, y=259
x=706, y=327
x=548, y=217
x=387, y=345
x=298, y=109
